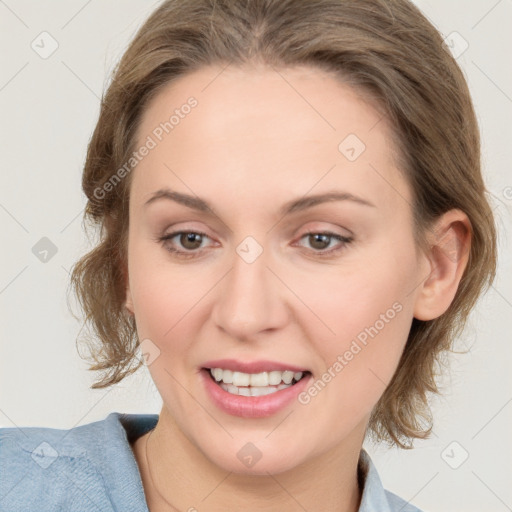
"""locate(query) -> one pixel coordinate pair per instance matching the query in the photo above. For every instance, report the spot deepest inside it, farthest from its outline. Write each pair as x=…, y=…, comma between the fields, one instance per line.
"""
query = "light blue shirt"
x=91, y=468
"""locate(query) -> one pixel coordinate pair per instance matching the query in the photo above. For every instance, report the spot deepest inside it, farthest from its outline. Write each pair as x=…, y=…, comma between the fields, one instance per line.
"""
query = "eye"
x=190, y=240
x=320, y=241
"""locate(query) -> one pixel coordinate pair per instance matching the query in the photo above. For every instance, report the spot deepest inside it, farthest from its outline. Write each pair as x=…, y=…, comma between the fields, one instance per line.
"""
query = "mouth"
x=254, y=384
x=255, y=389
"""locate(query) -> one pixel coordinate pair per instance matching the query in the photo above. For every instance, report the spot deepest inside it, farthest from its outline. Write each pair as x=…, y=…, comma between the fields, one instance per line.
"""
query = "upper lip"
x=252, y=366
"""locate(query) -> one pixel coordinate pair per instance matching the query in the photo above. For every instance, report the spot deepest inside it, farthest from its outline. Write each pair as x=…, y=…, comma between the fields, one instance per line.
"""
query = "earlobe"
x=128, y=302
x=450, y=243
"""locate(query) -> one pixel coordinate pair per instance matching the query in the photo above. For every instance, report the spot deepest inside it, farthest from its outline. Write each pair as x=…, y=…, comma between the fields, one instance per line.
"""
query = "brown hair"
x=383, y=47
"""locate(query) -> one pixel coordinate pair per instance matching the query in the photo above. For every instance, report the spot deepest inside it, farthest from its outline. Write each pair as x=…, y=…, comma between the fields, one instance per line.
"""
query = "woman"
x=294, y=229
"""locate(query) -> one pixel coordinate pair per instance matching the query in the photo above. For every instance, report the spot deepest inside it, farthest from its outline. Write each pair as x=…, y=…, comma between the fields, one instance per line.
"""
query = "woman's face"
x=269, y=286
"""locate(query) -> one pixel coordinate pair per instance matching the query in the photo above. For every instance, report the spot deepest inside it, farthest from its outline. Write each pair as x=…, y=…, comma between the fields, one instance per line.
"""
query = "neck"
x=177, y=476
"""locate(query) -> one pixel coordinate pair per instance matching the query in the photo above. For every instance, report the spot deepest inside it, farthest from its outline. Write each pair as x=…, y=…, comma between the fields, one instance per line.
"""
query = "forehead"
x=258, y=132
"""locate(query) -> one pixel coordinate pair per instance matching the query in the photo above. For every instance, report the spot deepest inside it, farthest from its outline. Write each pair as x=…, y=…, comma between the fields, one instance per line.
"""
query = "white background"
x=49, y=108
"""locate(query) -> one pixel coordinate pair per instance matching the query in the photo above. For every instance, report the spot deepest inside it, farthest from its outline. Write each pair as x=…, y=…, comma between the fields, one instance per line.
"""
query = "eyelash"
x=346, y=241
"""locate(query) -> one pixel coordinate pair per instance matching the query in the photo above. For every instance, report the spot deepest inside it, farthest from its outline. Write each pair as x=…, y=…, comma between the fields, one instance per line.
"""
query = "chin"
x=259, y=457
x=267, y=464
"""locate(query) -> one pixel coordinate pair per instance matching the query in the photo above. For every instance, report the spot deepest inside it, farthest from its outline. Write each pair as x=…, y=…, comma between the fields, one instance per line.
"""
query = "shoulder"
x=375, y=498
x=75, y=469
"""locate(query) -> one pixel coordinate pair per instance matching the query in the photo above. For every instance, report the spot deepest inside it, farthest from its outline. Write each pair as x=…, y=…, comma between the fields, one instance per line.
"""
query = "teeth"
x=259, y=379
x=255, y=380
x=244, y=391
x=227, y=376
x=274, y=378
x=260, y=391
x=229, y=388
x=287, y=377
x=239, y=378
x=252, y=391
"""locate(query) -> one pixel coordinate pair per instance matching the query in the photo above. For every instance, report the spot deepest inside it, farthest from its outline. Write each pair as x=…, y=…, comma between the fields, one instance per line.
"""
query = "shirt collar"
x=126, y=428
x=374, y=498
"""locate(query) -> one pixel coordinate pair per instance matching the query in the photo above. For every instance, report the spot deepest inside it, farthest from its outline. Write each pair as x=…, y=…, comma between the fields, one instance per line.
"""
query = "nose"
x=250, y=299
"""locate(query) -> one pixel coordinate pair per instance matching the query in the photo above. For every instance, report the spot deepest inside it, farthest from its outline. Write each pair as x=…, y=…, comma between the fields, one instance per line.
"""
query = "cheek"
x=167, y=299
x=347, y=302
x=369, y=311
x=167, y=305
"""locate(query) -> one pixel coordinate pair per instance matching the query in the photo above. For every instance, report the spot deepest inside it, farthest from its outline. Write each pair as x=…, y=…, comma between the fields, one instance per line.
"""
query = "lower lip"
x=252, y=406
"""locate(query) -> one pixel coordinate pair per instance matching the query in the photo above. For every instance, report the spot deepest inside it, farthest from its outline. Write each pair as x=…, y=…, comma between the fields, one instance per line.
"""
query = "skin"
x=252, y=144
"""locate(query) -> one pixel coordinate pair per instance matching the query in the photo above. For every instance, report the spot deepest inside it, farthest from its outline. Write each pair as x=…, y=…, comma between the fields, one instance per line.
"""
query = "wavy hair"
x=385, y=48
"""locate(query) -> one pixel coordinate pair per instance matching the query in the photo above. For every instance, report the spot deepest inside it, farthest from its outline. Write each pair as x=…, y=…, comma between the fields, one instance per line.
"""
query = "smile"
x=253, y=395
x=254, y=384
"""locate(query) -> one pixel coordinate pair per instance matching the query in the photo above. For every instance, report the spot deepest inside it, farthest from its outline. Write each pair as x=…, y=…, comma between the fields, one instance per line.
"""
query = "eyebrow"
x=295, y=205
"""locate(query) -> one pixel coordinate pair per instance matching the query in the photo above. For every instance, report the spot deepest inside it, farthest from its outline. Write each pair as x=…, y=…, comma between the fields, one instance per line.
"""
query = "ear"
x=450, y=243
x=128, y=303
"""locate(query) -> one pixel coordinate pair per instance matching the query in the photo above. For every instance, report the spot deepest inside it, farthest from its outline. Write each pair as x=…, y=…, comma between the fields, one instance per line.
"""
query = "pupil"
x=318, y=238
x=191, y=238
